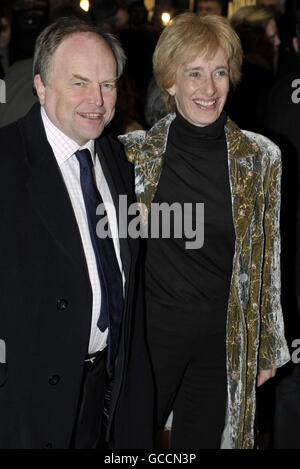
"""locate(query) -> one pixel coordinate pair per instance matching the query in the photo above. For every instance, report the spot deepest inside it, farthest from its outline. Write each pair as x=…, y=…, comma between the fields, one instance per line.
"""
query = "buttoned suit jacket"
x=46, y=300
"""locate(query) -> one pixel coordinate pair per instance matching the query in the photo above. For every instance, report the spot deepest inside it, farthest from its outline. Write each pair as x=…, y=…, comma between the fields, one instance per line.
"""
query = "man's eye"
x=108, y=86
x=194, y=74
x=79, y=83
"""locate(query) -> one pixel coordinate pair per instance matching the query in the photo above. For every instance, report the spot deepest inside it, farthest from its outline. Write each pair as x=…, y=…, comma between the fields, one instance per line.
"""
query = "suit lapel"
x=47, y=190
x=113, y=177
x=244, y=177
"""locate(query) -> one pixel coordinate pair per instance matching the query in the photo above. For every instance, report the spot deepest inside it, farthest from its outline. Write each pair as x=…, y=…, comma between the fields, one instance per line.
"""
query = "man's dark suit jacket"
x=46, y=300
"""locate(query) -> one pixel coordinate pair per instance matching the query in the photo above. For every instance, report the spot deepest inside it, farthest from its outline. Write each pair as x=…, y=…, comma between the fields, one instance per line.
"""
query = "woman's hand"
x=264, y=375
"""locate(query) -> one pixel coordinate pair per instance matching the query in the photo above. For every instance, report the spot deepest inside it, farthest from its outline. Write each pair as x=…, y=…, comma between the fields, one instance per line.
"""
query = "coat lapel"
x=243, y=175
x=47, y=190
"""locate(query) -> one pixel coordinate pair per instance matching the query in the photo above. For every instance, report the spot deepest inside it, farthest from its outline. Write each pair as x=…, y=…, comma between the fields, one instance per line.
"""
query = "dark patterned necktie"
x=107, y=263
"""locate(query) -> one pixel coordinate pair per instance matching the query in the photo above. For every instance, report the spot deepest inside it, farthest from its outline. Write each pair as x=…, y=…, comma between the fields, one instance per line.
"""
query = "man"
x=278, y=5
x=109, y=16
x=5, y=35
x=209, y=7
x=72, y=343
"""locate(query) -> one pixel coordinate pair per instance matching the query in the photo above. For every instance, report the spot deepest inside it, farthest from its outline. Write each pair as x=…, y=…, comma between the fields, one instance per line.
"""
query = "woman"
x=214, y=318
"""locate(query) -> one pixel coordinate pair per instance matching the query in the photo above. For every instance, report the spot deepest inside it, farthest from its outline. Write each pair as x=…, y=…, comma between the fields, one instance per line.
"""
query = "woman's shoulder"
x=136, y=141
x=264, y=143
x=257, y=141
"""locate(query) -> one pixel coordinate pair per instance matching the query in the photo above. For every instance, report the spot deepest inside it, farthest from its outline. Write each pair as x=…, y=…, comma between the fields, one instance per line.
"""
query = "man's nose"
x=276, y=40
x=96, y=96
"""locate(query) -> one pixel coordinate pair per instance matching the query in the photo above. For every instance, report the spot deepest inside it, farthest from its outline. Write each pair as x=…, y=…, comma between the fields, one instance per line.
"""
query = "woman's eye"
x=221, y=73
x=194, y=74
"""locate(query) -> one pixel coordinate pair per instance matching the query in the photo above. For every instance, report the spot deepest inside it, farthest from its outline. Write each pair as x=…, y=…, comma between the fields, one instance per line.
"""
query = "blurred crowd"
x=261, y=102
x=268, y=33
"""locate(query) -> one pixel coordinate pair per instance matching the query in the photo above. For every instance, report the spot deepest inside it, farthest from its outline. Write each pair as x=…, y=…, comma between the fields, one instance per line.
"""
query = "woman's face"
x=201, y=88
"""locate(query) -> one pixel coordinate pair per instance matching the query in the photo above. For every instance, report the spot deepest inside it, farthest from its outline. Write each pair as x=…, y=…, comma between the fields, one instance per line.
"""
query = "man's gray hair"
x=53, y=35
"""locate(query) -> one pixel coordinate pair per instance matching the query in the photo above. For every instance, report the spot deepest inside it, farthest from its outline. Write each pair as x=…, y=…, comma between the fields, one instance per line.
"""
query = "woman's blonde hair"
x=188, y=36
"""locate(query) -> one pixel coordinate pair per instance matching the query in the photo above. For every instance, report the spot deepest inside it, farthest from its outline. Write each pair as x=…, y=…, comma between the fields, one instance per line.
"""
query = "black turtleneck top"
x=193, y=283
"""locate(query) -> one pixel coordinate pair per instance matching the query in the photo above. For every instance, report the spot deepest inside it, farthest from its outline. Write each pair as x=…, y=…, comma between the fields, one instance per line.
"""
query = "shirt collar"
x=63, y=146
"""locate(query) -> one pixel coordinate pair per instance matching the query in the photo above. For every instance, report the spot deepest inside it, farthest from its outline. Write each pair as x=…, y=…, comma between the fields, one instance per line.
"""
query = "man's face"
x=80, y=94
x=201, y=88
x=209, y=7
x=272, y=34
x=121, y=19
x=5, y=33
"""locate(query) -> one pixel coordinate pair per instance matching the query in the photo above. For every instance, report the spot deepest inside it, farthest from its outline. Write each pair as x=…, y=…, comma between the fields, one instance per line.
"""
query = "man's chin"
x=92, y=135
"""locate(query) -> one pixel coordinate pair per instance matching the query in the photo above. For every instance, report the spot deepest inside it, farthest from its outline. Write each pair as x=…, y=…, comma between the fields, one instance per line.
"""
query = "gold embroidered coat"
x=255, y=332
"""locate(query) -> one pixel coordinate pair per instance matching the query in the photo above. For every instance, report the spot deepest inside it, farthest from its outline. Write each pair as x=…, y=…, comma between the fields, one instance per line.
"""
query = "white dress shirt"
x=64, y=150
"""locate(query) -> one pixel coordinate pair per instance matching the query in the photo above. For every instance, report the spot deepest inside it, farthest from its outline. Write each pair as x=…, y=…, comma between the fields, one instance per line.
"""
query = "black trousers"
x=190, y=373
x=89, y=428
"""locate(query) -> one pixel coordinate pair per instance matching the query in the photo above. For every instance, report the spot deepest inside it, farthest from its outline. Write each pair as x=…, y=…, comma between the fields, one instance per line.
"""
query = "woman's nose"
x=209, y=87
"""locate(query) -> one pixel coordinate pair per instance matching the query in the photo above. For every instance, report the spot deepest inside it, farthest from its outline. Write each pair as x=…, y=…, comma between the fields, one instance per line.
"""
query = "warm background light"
x=165, y=18
x=149, y=4
x=235, y=5
x=85, y=5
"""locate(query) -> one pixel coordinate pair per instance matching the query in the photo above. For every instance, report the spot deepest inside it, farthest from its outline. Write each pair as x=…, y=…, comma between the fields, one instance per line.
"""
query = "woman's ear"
x=171, y=90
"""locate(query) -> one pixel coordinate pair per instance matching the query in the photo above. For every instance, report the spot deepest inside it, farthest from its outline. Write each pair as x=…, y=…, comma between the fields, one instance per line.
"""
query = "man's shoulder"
x=8, y=129
x=17, y=138
x=26, y=123
x=10, y=138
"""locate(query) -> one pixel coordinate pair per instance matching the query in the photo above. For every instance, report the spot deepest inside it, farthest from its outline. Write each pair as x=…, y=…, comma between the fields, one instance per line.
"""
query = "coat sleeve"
x=273, y=351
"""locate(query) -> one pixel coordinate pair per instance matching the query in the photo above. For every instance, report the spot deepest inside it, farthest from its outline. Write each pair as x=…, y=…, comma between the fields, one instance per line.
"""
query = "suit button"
x=62, y=304
x=54, y=379
x=48, y=446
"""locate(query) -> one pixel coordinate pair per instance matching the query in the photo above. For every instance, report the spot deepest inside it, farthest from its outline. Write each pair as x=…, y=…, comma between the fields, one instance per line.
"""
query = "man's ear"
x=295, y=44
x=40, y=88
